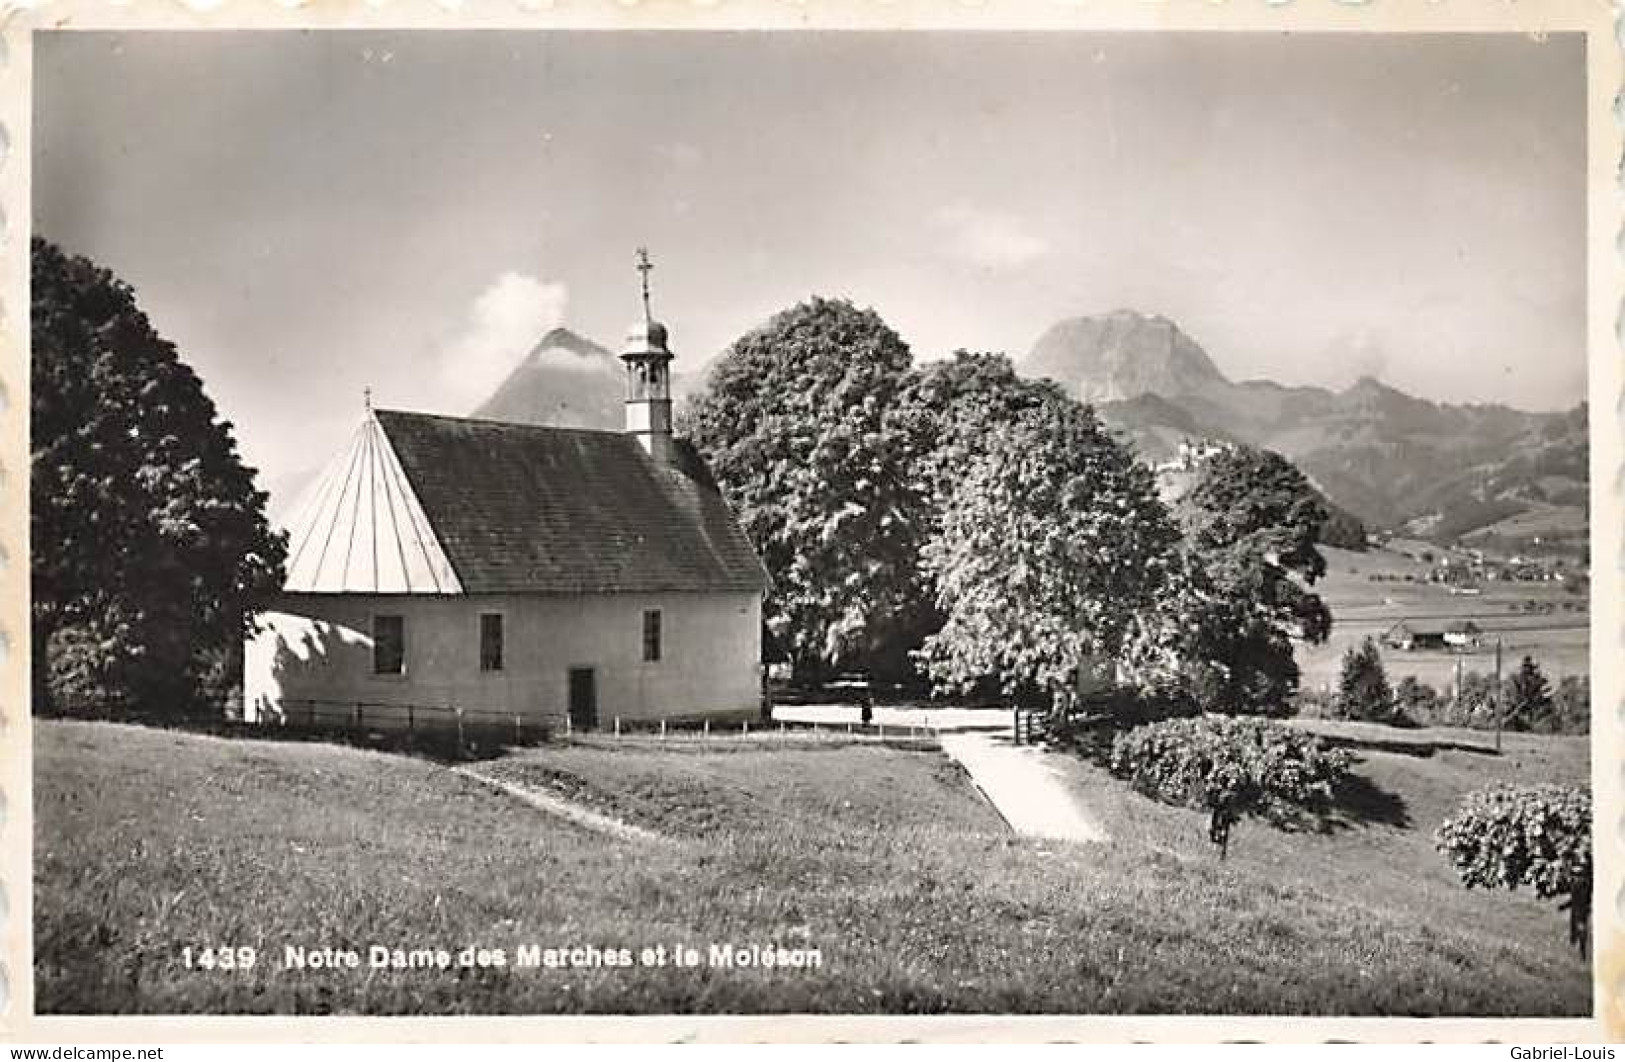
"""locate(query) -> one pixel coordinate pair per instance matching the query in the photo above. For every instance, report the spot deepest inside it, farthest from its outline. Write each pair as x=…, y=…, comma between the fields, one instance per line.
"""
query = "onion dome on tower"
x=648, y=376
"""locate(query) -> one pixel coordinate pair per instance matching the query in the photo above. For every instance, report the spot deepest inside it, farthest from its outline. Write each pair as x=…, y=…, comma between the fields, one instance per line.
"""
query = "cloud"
x=1360, y=353
x=506, y=320
x=557, y=357
x=987, y=240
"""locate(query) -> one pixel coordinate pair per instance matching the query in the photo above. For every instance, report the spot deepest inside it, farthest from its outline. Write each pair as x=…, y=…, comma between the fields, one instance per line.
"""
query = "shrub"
x=1473, y=705
x=1128, y=706
x=1316, y=704
x=84, y=673
x=1230, y=766
x=1534, y=835
x=1573, y=702
x=1415, y=701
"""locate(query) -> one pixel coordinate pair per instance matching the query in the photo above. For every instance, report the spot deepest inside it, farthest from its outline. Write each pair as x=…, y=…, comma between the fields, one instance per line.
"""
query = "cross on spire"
x=366, y=398
x=645, y=267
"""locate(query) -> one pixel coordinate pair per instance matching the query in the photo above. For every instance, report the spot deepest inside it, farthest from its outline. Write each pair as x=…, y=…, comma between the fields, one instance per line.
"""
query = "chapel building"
x=556, y=576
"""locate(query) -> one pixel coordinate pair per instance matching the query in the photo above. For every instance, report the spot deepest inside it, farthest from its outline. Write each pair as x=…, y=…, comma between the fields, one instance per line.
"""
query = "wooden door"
x=583, y=698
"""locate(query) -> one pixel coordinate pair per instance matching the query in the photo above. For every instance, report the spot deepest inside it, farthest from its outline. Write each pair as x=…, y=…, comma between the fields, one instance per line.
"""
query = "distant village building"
x=1409, y=635
x=513, y=571
x=1191, y=454
x=1176, y=477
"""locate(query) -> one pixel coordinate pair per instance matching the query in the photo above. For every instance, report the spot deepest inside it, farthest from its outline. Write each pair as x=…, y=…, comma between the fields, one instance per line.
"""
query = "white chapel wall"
x=319, y=647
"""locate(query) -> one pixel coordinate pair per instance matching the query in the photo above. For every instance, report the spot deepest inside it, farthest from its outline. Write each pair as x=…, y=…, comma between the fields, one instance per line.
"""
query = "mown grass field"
x=884, y=859
x=1361, y=608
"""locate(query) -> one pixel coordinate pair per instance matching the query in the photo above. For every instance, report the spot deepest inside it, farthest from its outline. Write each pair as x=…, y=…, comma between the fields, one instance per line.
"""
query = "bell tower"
x=648, y=376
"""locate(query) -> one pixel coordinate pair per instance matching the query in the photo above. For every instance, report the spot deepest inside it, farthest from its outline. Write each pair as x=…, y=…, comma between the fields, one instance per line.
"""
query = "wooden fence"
x=1031, y=726
x=440, y=723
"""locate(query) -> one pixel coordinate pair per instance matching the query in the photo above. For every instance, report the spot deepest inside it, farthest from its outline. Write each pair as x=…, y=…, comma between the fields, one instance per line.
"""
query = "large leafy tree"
x=947, y=410
x=150, y=546
x=1240, y=591
x=1050, y=541
x=794, y=422
x=943, y=419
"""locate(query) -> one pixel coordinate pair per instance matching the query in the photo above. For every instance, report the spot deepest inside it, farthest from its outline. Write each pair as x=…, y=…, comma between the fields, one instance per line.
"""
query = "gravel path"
x=573, y=813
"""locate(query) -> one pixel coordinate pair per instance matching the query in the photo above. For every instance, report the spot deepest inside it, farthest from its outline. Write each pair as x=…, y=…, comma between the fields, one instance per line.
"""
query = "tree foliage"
x=1231, y=767
x=150, y=545
x=1573, y=704
x=1050, y=541
x=1529, y=704
x=1343, y=529
x=1535, y=835
x=1238, y=593
x=947, y=410
x=942, y=418
x=1477, y=701
x=1363, y=691
x=795, y=424
x=1252, y=512
x=1416, y=702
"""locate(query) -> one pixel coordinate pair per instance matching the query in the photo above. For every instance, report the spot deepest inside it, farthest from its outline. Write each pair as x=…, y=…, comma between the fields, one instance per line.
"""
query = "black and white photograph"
x=553, y=522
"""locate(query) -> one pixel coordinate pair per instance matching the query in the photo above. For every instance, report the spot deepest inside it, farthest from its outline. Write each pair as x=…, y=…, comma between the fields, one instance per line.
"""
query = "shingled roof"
x=522, y=509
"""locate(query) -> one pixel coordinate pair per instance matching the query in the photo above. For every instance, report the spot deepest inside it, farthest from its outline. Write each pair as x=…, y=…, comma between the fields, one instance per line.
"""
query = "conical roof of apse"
x=360, y=527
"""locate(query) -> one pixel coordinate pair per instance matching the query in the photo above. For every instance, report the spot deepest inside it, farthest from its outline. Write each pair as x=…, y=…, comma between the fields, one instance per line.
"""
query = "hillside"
x=884, y=859
x=1392, y=459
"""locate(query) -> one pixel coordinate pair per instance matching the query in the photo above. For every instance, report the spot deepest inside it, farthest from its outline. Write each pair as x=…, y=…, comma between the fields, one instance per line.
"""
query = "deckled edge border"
x=1604, y=25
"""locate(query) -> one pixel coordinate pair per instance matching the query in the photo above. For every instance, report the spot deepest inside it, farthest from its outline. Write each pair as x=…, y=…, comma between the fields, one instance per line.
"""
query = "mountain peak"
x=566, y=381
x=1368, y=384
x=1121, y=355
x=571, y=341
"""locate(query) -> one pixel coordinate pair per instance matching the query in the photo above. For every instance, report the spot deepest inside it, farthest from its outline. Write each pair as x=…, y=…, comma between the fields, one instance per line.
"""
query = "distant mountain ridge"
x=1391, y=458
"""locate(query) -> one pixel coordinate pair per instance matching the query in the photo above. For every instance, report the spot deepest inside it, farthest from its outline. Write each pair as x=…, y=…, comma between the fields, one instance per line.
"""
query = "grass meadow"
x=885, y=859
x=1558, y=639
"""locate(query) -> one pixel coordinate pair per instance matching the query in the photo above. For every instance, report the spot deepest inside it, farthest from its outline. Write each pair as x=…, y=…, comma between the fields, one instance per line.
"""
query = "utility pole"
x=1497, y=694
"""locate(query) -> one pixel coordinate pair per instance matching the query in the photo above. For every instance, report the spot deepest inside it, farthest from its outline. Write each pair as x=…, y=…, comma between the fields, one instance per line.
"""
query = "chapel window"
x=491, y=641
x=651, y=635
x=389, y=645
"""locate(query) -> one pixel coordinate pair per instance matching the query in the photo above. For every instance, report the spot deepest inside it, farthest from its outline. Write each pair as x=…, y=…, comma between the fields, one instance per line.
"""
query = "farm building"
x=508, y=572
x=1410, y=634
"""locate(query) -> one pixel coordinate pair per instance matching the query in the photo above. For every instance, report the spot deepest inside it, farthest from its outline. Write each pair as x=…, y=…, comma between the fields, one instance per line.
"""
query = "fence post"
x=569, y=724
x=518, y=731
x=458, y=712
x=617, y=726
x=744, y=729
x=410, y=724
x=706, y=725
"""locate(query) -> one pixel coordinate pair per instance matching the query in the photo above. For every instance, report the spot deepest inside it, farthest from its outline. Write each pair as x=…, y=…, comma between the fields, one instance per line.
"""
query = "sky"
x=308, y=214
